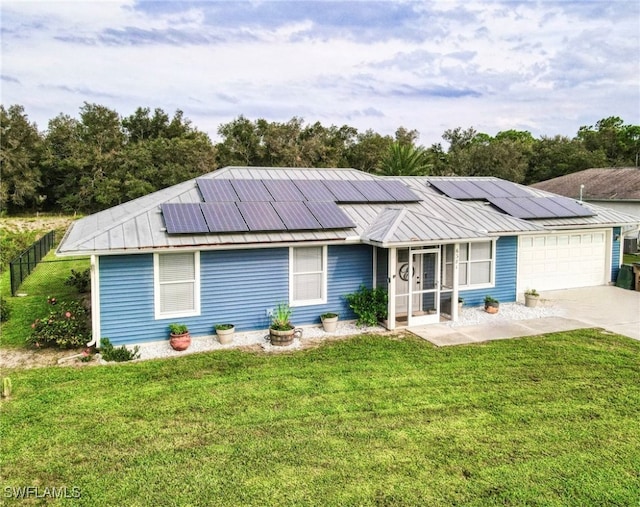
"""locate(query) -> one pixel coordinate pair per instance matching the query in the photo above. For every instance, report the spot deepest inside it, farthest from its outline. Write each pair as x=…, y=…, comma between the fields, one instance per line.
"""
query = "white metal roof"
x=138, y=225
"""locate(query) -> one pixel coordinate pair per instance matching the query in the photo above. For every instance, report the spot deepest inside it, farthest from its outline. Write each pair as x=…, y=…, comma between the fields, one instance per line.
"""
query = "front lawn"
x=372, y=420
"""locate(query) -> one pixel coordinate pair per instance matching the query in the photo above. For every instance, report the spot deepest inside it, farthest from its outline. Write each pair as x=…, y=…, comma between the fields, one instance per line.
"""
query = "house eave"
x=209, y=247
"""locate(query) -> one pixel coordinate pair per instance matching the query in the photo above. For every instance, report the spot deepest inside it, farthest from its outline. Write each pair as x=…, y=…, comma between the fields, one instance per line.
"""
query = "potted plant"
x=179, y=337
x=329, y=322
x=225, y=333
x=281, y=331
x=531, y=298
x=491, y=305
x=460, y=304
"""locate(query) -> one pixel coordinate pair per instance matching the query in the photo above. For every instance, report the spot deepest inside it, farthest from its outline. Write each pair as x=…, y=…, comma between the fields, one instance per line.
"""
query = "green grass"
x=630, y=258
x=372, y=420
x=46, y=280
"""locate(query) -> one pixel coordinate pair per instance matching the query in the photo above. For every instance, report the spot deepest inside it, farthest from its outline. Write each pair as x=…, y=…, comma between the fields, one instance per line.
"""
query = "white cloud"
x=548, y=67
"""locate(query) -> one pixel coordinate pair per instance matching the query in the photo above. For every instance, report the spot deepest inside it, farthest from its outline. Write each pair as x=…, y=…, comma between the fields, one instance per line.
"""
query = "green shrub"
x=67, y=326
x=5, y=311
x=79, y=279
x=117, y=354
x=370, y=305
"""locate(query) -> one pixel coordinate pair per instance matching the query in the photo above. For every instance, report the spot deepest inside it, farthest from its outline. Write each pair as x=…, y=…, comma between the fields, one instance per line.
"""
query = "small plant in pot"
x=179, y=337
x=491, y=305
x=460, y=304
x=225, y=333
x=329, y=322
x=531, y=298
x=281, y=330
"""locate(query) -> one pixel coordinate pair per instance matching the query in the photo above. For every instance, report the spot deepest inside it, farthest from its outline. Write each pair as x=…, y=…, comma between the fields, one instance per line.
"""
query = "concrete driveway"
x=608, y=307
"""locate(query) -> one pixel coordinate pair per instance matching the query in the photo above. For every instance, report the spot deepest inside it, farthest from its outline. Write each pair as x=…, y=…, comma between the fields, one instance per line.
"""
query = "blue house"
x=231, y=245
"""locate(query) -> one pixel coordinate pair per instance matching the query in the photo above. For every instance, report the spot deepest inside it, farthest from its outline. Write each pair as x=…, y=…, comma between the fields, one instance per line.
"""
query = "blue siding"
x=349, y=267
x=237, y=286
x=615, y=254
x=505, y=283
x=126, y=299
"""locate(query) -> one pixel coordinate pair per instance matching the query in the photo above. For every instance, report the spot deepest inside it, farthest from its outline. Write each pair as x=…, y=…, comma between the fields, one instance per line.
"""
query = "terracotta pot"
x=491, y=308
x=180, y=341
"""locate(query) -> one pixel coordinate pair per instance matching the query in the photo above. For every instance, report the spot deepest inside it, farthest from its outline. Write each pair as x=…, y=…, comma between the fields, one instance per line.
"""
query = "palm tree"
x=405, y=160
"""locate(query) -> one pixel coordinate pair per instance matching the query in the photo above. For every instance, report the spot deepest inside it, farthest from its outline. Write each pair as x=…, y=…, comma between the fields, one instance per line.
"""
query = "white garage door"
x=562, y=261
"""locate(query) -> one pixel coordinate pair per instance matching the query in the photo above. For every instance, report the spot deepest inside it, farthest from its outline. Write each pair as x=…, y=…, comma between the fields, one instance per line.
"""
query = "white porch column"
x=456, y=278
x=391, y=291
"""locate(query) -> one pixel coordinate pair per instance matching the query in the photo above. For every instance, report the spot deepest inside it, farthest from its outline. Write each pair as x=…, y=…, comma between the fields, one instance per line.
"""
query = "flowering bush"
x=67, y=326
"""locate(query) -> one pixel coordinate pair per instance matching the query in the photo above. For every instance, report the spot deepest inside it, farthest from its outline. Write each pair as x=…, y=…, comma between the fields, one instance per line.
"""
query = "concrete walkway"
x=608, y=307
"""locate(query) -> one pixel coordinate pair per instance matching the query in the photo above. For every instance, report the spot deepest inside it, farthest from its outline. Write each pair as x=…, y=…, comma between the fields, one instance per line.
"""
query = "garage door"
x=562, y=261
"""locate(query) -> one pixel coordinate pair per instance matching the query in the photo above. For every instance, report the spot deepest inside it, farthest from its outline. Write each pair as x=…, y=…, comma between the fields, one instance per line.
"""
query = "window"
x=475, y=264
x=177, y=284
x=308, y=275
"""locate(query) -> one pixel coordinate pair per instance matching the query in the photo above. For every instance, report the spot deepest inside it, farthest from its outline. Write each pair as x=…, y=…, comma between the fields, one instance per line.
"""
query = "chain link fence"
x=23, y=265
x=36, y=272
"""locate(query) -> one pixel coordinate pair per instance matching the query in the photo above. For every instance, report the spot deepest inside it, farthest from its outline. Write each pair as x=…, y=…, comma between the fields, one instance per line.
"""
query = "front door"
x=418, y=286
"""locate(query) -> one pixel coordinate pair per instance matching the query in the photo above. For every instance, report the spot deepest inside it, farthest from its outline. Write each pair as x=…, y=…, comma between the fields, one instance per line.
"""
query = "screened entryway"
x=421, y=285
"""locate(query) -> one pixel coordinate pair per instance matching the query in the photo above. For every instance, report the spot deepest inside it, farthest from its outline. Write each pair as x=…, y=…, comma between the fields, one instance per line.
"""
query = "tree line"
x=101, y=159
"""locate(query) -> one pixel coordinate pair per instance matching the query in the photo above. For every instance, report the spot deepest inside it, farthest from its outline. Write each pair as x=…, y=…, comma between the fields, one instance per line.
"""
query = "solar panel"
x=283, y=190
x=488, y=188
x=572, y=206
x=296, y=216
x=329, y=215
x=216, y=190
x=314, y=190
x=251, y=190
x=399, y=191
x=223, y=217
x=450, y=189
x=261, y=216
x=373, y=191
x=540, y=207
x=184, y=218
x=510, y=189
x=519, y=207
x=468, y=189
x=344, y=191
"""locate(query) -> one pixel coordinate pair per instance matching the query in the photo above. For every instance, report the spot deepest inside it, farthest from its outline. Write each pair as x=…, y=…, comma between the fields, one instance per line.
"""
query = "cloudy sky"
x=545, y=66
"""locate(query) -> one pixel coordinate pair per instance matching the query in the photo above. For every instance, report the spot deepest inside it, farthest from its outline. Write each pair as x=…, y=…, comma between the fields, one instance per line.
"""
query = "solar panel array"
x=512, y=199
x=340, y=191
x=540, y=207
x=254, y=216
x=277, y=205
x=478, y=189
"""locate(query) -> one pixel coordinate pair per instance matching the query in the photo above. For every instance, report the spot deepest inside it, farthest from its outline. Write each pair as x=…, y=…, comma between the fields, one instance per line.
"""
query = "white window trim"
x=156, y=288
x=461, y=263
x=309, y=302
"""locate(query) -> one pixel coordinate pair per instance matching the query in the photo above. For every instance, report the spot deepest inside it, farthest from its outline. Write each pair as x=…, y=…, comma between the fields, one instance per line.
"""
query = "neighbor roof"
x=139, y=225
x=605, y=184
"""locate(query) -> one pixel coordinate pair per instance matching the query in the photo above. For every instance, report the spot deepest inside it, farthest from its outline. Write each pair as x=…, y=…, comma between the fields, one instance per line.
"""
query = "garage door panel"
x=558, y=261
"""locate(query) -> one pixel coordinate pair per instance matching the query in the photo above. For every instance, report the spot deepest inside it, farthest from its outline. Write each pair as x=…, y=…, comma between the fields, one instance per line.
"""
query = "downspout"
x=95, y=303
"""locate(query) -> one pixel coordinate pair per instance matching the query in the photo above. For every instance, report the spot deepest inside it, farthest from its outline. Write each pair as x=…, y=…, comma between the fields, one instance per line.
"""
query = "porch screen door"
x=425, y=287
